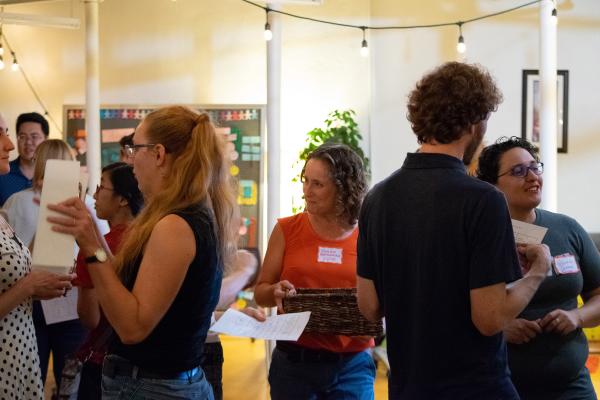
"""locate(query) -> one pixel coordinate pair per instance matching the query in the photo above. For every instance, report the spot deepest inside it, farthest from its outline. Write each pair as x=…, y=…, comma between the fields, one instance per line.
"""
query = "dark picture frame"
x=531, y=103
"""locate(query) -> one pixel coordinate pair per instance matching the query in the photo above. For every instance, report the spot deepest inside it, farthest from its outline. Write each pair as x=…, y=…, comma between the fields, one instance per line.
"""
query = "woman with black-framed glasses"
x=547, y=348
x=159, y=291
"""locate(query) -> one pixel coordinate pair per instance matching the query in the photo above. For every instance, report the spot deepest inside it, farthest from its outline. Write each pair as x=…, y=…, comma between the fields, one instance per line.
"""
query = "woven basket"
x=333, y=311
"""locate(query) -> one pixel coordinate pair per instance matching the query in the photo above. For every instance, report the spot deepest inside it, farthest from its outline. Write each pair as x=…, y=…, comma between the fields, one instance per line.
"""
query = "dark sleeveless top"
x=176, y=342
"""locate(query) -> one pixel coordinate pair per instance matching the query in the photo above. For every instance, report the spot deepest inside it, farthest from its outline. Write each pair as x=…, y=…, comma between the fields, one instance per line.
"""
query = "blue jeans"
x=61, y=339
x=351, y=378
x=122, y=387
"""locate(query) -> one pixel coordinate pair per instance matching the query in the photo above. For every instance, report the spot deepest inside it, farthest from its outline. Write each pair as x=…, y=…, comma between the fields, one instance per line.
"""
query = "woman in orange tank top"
x=317, y=249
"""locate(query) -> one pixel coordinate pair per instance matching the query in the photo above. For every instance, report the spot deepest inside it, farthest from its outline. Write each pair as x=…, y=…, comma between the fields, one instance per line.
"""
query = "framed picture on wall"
x=530, y=115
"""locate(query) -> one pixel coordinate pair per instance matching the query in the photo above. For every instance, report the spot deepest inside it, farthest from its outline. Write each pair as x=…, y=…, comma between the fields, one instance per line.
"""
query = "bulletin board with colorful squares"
x=243, y=127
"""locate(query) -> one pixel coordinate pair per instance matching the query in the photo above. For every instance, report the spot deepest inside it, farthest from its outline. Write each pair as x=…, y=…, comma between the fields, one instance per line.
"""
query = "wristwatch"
x=98, y=257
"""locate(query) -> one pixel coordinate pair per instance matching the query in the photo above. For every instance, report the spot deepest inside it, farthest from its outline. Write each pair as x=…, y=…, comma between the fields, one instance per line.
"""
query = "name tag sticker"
x=565, y=264
x=330, y=255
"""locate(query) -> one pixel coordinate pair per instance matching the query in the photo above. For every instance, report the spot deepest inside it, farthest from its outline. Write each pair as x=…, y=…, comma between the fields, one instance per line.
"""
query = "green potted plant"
x=340, y=127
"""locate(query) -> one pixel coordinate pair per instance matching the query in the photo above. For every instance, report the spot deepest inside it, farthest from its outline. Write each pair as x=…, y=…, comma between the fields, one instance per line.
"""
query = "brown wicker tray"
x=333, y=311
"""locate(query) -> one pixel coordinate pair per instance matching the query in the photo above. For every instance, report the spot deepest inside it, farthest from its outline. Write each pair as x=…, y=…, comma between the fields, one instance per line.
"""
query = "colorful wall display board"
x=243, y=126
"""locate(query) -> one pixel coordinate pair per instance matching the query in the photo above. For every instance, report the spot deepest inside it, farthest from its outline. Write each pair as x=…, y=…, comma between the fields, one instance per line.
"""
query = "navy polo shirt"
x=13, y=182
x=428, y=235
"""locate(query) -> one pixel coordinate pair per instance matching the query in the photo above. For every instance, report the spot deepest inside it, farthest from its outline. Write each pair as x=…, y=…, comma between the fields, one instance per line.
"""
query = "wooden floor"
x=245, y=374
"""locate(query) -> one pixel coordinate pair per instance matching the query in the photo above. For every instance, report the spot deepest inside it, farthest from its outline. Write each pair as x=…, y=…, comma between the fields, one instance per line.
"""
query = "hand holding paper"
x=276, y=327
x=527, y=234
x=54, y=252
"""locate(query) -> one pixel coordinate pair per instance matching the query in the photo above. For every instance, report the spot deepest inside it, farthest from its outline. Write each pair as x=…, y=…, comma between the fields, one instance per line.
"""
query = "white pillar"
x=92, y=91
x=273, y=137
x=273, y=121
x=548, y=105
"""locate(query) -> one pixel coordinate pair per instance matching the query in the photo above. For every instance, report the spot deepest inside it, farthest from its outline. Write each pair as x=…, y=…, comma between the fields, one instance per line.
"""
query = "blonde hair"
x=51, y=149
x=199, y=174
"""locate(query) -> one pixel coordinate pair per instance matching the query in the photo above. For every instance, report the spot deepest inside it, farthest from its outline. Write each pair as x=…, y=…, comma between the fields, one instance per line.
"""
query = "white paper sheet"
x=53, y=251
x=61, y=309
x=276, y=327
x=528, y=233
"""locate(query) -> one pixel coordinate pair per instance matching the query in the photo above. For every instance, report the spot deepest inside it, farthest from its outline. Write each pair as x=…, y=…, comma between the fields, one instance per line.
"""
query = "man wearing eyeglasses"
x=436, y=251
x=32, y=129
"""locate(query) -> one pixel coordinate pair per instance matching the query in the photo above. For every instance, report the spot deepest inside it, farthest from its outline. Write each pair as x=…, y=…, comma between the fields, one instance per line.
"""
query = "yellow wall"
x=194, y=52
x=212, y=52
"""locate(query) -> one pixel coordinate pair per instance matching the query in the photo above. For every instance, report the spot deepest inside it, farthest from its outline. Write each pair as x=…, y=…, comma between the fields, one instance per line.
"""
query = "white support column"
x=548, y=105
x=273, y=121
x=273, y=136
x=92, y=91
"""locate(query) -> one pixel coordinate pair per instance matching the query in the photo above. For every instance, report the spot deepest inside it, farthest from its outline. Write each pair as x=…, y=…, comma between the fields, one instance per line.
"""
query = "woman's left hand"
x=561, y=322
x=75, y=220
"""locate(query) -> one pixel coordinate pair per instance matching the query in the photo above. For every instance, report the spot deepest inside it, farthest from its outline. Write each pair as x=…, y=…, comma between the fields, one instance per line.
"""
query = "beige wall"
x=195, y=52
x=212, y=52
x=506, y=45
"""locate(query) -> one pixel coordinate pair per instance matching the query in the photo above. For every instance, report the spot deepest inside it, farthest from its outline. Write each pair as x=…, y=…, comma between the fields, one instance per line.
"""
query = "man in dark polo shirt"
x=436, y=250
x=32, y=129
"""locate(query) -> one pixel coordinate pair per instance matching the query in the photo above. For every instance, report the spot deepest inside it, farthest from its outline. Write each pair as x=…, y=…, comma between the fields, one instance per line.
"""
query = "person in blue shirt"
x=32, y=129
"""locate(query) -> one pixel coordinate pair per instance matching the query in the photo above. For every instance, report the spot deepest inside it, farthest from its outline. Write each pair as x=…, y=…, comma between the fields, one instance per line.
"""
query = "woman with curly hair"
x=547, y=348
x=317, y=249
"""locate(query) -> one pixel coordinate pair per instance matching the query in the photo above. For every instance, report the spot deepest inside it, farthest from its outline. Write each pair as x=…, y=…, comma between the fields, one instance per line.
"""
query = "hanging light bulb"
x=15, y=64
x=268, y=34
x=554, y=15
x=1, y=48
x=461, y=47
x=364, y=49
x=1, y=63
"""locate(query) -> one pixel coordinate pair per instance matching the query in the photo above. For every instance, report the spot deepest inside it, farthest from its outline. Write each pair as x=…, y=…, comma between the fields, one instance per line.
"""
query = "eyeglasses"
x=521, y=170
x=33, y=138
x=100, y=187
x=131, y=149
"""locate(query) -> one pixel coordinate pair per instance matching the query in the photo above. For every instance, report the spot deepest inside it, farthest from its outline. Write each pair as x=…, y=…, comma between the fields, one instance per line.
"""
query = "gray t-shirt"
x=552, y=359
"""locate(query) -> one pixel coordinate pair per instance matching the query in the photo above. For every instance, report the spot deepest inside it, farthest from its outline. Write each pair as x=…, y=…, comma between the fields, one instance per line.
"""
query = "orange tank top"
x=310, y=261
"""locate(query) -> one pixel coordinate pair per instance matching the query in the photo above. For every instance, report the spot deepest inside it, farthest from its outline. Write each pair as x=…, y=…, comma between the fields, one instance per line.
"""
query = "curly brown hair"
x=348, y=175
x=450, y=99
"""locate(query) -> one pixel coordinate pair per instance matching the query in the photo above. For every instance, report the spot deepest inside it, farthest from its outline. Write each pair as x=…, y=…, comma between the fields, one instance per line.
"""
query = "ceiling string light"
x=17, y=67
x=1, y=48
x=364, y=50
x=15, y=64
x=268, y=34
x=461, y=47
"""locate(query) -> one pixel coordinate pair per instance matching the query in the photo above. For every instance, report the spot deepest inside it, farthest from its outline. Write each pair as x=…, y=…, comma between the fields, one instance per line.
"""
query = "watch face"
x=101, y=255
